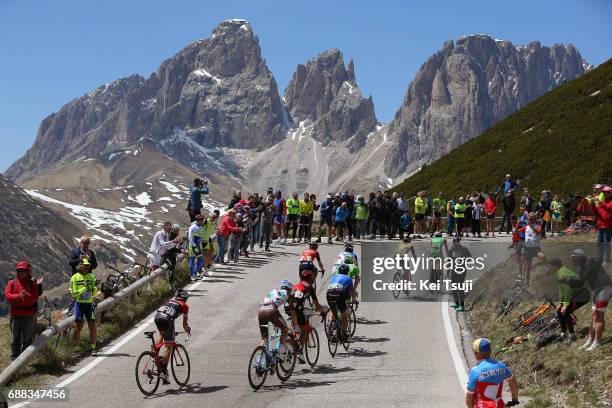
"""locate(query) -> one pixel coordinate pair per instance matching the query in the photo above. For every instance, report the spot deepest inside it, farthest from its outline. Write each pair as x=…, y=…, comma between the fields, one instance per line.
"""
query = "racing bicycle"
x=267, y=359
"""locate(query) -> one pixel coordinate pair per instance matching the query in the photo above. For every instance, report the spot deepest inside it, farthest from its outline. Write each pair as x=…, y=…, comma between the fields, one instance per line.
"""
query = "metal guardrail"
x=63, y=325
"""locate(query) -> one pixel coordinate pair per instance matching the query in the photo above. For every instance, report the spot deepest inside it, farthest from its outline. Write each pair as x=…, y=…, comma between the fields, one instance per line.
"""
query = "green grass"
x=567, y=150
x=52, y=362
x=558, y=375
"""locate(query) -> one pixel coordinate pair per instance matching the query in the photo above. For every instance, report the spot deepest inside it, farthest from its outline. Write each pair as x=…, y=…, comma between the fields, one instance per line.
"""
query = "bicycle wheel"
x=312, y=347
x=352, y=321
x=180, y=364
x=346, y=342
x=258, y=368
x=286, y=363
x=332, y=340
x=147, y=373
x=397, y=278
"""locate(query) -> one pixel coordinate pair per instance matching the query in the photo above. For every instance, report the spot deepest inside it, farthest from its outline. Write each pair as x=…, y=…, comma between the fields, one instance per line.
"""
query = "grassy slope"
x=568, y=149
x=558, y=375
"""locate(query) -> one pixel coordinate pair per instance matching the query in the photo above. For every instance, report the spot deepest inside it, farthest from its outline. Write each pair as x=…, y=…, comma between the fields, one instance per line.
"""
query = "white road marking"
x=460, y=368
x=97, y=360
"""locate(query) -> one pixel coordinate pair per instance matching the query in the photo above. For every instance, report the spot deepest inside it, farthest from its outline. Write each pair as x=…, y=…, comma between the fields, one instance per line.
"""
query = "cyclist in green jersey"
x=439, y=206
x=438, y=244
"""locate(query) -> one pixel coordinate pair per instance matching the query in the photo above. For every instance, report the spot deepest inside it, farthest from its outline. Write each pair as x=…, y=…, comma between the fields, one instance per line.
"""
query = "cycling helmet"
x=286, y=284
x=281, y=296
x=314, y=245
x=438, y=234
x=175, y=227
x=343, y=269
x=347, y=260
x=181, y=294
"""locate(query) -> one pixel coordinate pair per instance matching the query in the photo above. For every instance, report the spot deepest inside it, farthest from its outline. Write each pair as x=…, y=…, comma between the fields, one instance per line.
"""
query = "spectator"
x=161, y=243
x=342, y=214
x=543, y=209
x=508, y=186
x=527, y=200
x=570, y=299
x=350, y=205
x=199, y=241
x=279, y=217
x=533, y=234
x=327, y=216
x=438, y=207
x=467, y=215
x=404, y=226
x=391, y=204
x=293, y=215
x=83, y=289
x=489, y=209
x=555, y=212
x=375, y=210
x=487, y=378
x=194, y=207
x=603, y=221
x=361, y=215
x=460, y=208
x=255, y=216
x=420, y=207
x=509, y=205
x=315, y=207
x=402, y=204
x=227, y=227
x=169, y=256
x=306, y=211
x=235, y=239
x=592, y=273
x=82, y=252
x=235, y=199
x=450, y=216
x=22, y=294
x=476, y=216
x=209, y=253
x=267, y=223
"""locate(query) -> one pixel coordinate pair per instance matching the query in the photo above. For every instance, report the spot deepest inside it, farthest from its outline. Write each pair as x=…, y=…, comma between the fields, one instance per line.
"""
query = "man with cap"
x=22, y=293
x=508, y=185
x=602, y=209
x=83, y=289
x=486, y=380
x=81, y=252
x=592, y=273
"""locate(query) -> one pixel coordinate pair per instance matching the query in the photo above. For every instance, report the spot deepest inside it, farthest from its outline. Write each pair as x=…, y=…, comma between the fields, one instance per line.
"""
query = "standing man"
x=508, y=185
x=83, y=289
x=484, y=387
x=508, y=205
x=293, y=215
x=195, y=197
x=420, y=206
x=450, y=217
x=342, y=214
x=161, y=243
x=603, y=217
x=361, y=214
x=460, y=208
x=22, y=294
x=306, y=211
x=489, y=209
x=267, y=223
x=327, y=216
x=438, y=206
x=82, y=252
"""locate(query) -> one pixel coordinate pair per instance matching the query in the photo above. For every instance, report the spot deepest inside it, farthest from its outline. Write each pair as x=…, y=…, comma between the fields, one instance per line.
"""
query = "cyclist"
x=83, y=289
x=458, y=276
x=348, y=256
x=164, y=320
x=309, y=256
x=300, y=291
x=438, y=244
x=484, y=387
x=439, y=205
x=340, y=290
x=269, y=313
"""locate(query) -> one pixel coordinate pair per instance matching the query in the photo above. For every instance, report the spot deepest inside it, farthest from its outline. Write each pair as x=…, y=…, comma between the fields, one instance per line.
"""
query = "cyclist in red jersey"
x=299, y=293
x=309, y=256
x=164, y=320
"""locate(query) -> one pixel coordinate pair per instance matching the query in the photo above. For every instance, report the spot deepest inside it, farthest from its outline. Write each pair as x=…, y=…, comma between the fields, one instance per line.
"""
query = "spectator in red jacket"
x=603, y=218
x=228, y=225
x=22, y=293
x=489, y=209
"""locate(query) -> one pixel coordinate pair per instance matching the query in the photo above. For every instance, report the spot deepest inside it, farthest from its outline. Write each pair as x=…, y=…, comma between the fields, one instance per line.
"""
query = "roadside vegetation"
x=560, y=141
x=55, y=359
x=558, y=374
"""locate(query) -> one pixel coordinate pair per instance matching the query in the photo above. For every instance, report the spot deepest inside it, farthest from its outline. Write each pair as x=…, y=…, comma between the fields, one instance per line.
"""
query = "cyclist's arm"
x=320, y=263
x=357, y=281
x=469, y=399
x=186, y=323
x=514, y=388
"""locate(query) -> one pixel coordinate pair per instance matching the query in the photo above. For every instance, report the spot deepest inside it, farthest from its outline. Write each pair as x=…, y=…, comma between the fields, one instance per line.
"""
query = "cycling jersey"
x=460, y=210
x=83, y=287
x=275, y=299
x=436, y=247
x=486, y=381
x=309, y=255
x=293, y=206
x=438, y=205
x=344, y=256
x=172, y=309
x=340, y=283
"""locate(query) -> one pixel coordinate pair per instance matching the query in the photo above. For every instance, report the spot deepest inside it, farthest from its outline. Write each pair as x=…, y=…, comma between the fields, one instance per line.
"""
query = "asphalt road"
x=400, y=355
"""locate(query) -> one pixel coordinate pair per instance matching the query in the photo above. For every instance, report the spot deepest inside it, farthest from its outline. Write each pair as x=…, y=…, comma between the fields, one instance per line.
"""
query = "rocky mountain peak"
x=325, y=92
x=469, y=86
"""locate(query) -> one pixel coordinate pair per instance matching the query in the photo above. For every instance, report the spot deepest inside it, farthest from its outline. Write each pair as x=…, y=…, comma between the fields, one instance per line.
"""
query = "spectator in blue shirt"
x=327, y=218
x=508, y=185
x=404, y=225
x=342, y=214
x=195, y=197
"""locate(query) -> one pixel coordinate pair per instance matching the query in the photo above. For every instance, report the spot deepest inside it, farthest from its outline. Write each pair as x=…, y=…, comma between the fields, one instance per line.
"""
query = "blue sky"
x=53, y=51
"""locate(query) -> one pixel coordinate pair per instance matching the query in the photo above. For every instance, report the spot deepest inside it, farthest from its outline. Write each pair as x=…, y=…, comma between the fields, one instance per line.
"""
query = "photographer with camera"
x=200, y=186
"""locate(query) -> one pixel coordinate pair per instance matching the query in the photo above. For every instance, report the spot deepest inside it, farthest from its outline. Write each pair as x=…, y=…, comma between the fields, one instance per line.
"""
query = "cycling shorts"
x=269, y=314
x=601, y=299
x=340, y=223
x=166, y=325
x=337, y=301
x=292, y=217
x=84, y=310
x=326, y=221
x=279, y=219
x=530, y=252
